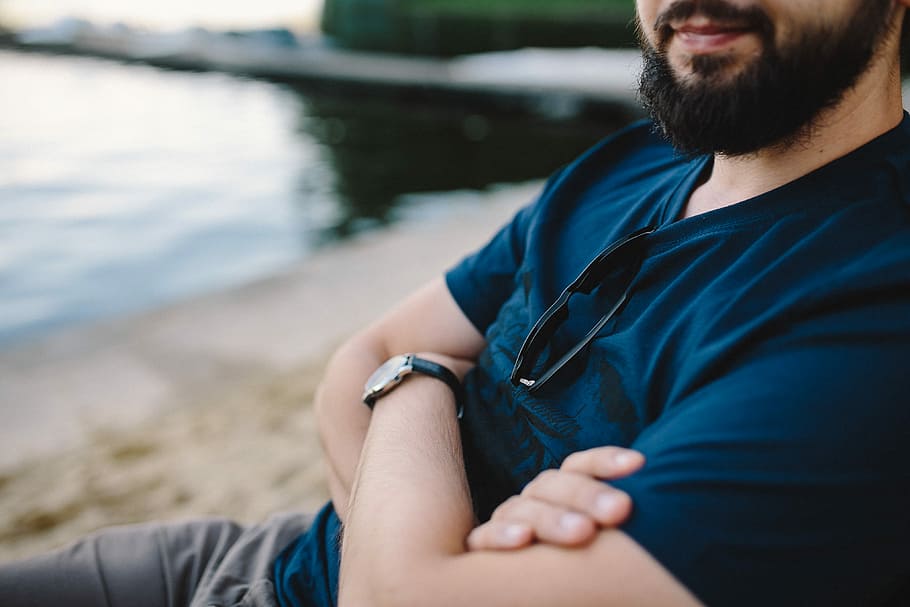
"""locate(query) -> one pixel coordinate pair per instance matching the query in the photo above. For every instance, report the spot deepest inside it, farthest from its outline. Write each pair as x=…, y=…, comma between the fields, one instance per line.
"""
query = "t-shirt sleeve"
x=786, y=479
x=481, y=282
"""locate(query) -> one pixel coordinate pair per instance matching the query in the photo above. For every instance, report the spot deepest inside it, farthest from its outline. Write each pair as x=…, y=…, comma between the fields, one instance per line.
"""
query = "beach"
x=203, y=408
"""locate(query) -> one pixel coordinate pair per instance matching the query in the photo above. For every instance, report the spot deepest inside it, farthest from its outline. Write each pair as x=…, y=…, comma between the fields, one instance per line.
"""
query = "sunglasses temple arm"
x=532, y=344
x=579, y=346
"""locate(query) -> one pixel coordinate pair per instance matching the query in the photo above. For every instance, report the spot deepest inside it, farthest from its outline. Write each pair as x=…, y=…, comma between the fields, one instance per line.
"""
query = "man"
x=741, y=320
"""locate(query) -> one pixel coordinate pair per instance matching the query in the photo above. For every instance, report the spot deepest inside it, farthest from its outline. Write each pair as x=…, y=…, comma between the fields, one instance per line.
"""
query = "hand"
x=563, y=507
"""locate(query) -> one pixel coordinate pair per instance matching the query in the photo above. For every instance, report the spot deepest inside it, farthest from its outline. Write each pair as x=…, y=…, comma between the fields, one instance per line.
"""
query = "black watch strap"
x=427, y=367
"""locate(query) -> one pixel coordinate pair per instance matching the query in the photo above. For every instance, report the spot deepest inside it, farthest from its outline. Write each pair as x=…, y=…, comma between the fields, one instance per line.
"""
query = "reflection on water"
x=124, y=187
x=378, y=150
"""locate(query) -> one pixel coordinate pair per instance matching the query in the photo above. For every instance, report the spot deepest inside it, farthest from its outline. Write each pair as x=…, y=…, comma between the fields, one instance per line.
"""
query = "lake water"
x=124, y=187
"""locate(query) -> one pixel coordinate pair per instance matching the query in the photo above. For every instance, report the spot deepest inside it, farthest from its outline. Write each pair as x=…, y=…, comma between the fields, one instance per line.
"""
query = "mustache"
x=752, y=18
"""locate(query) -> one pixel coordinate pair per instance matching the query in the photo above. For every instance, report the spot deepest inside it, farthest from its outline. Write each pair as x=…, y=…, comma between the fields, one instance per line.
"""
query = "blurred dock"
x=555, y=83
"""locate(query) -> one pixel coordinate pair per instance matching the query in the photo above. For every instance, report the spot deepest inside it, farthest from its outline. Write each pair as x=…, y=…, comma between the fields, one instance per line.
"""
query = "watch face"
x=385, y=375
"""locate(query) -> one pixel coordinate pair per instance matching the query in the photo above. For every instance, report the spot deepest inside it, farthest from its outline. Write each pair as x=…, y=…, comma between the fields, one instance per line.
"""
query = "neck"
x=871, y=108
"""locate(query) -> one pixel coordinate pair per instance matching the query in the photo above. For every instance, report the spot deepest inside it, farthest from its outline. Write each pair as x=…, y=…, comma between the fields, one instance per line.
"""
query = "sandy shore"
x=204, y=408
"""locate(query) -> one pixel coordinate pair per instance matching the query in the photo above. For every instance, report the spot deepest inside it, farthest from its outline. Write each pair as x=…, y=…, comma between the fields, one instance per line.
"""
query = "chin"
x=715, y=67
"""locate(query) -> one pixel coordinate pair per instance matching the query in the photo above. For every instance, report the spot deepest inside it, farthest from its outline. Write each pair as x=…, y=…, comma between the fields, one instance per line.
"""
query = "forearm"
x=342, y=417
x=411, y=501
x=427, y=321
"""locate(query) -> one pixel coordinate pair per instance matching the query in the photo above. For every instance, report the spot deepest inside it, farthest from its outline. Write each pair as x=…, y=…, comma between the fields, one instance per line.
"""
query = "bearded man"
x=730, y=357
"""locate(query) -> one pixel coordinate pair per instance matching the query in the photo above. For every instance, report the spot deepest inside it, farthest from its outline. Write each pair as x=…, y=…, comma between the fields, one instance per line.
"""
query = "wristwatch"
x=387, y=377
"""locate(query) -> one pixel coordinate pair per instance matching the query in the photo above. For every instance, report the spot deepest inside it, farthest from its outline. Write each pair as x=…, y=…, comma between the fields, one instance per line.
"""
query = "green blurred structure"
x=452, y=27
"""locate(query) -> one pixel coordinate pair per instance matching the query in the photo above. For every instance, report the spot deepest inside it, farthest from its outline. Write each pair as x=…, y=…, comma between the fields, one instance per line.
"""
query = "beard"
x=776, y=99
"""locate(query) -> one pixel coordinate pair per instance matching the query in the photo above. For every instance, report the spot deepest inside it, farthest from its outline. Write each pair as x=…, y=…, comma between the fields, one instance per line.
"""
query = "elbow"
x=320, y=406
x=338, y=369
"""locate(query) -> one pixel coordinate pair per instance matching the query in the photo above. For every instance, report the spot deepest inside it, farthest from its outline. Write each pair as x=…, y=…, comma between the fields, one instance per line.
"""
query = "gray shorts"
x=189, y=564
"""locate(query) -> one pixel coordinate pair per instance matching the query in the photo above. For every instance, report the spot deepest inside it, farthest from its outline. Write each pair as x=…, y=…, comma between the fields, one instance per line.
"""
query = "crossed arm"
x=411, y=513
x=409, y=519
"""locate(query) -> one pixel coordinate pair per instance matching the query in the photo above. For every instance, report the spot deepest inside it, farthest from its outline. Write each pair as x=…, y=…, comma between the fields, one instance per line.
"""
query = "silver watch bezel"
x=387, y=377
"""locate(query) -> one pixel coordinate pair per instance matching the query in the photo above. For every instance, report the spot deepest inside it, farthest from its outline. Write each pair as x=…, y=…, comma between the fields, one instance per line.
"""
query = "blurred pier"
x=555, y=83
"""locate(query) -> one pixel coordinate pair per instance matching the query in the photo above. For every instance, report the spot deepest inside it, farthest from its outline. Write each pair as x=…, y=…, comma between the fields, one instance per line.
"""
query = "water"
x=165, y=14
x=124, y=187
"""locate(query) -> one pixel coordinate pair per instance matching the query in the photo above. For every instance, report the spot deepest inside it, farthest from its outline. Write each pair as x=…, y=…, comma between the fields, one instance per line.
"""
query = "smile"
x=703, y=38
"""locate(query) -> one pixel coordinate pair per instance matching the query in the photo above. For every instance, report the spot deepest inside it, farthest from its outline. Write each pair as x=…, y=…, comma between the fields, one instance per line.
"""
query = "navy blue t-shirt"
x=759, y=364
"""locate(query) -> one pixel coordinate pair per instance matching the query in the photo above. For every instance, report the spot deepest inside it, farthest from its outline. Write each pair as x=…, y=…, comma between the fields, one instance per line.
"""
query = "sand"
x=242, y=454
x=204, y=408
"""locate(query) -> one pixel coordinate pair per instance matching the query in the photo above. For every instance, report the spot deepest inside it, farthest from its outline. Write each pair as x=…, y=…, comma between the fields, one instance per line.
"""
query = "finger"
x=604, y=462
x=581, y=493
x=495, y=535
x=551, y=523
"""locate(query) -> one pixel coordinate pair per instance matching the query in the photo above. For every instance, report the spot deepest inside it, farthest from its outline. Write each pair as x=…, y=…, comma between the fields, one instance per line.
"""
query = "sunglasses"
x=627, y=250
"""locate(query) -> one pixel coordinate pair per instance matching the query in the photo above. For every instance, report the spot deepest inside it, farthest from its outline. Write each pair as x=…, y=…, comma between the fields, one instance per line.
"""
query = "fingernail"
x=624, y=458
x=572, y=522
x=513, y=533
x=607, y=504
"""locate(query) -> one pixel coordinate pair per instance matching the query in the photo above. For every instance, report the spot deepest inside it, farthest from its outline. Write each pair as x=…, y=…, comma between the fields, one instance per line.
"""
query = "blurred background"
x=124, y=187
x=198, y=201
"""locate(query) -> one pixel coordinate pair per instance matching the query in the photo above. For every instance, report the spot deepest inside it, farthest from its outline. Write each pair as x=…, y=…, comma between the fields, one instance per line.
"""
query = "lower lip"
x=708, y=43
